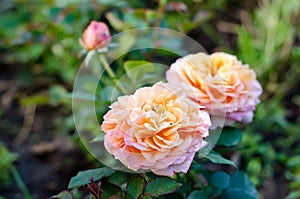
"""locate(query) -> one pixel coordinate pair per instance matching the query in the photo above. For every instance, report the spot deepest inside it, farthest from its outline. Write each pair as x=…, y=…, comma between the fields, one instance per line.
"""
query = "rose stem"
x=112, y=74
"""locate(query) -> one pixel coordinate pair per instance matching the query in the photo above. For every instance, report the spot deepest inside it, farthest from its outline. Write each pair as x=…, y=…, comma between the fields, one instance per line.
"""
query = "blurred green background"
x=40, y=55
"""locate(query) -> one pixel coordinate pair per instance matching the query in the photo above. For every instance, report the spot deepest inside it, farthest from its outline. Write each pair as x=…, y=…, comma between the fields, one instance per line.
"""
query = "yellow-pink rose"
x=157, y=128
x=220, y=82
x=96, y=35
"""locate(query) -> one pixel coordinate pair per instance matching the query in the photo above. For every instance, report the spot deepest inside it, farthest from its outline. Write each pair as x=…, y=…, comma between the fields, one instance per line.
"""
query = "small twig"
x=27, y=124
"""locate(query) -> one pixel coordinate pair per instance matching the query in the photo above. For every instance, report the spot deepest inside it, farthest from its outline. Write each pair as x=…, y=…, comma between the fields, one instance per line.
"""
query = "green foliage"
x=84, y=177
x=268, y=42
x=236, y=193
x=136, y=71
x=238, y=185
x=37, y=99
x=7, y=159
x=64, y=195
x=240, y=180
x=58, y=95
x=220, y=180
x=216, y=158
x=110, y=190
x=118, y=184
x=293, y=195
x=133, y=74
x=229, y=137
x=8, y=171
x=136, y=186
x=161, y=186
x=197, y=195
x=45, y=38
x=271, y=41
x=219, y=184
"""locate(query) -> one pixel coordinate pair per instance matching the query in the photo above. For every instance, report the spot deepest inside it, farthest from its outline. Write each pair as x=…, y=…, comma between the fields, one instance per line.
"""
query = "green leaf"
x=35, y=99
x=7, y=157
x=146, y=197
x=240, y=180
x=237, y=193
x=127, y=196
x=116, y=23
x=211, y=140
x=210, y=190
x=113, y=197
x=218, y=159
x=136, y=70
x=293, y=195
x=64, y=195
x=184, y=189
x=98, y=138
x=197, y=195
x=174, y=195
x=112, y=3
x=110, y=190
x=230, y=136
x=161, y=185
x=6, y=164
x=119, y=178
x=133, y=20
x=32, y=52
x=293, y=162
x=110, y=94
x=58, y=94
x=220, y=180
x=136, y=186
x=84, y=177
x=125, y=42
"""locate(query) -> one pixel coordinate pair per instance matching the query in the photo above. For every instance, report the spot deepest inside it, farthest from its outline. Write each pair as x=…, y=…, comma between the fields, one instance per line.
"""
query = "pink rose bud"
x=96, y=35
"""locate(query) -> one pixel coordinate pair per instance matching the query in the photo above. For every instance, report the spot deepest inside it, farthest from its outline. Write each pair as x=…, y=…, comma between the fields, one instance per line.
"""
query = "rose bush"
x=221, y=83
x=161, y=128
x=157, y=128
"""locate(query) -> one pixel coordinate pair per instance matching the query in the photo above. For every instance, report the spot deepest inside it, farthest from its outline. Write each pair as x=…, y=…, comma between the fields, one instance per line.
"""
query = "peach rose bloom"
x=96, y=35
x=221, y=83
x=157, y=128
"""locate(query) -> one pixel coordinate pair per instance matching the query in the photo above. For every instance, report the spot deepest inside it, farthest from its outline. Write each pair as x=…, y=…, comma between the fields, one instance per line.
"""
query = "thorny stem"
x=95, y=189
x=112, y=74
